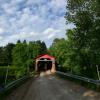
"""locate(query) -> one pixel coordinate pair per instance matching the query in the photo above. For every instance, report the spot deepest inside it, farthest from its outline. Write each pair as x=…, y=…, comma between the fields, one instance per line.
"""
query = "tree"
x=20, y=58
x=8, y=52
x=2, y=59
x=58, y=49
x=85, y=38
x=43, y=48
x=18, y=41
x=80, y=51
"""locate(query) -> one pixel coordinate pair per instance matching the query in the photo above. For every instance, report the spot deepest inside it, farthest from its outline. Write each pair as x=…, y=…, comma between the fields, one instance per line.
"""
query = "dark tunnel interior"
x=44, y=65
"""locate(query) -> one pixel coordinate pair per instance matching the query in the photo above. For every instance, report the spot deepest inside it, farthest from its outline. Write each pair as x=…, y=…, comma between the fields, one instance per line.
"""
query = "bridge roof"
x=45, y=56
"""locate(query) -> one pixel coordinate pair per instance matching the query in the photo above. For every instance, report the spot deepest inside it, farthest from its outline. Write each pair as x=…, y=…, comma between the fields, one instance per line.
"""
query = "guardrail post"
x=98, y=72
x=6, y=75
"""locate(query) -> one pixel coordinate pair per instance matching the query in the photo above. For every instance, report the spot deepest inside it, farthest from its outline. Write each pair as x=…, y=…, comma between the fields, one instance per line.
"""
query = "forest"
x=79, y=52
x=19, y=59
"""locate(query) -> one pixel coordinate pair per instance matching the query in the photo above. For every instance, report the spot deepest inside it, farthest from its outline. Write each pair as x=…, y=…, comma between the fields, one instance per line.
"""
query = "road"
x=52, y=88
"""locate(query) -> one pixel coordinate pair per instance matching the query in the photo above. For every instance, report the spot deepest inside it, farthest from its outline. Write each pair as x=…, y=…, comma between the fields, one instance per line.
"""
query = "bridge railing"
x=9, y=77
x=12, y=84
x=96, y=82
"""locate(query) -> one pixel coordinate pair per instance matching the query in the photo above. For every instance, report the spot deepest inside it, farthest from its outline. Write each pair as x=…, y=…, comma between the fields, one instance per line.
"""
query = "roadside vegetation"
x=19, y=59
x=79, y=52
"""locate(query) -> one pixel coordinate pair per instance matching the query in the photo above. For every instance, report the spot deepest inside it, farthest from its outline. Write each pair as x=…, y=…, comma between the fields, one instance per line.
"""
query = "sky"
x=32, y=20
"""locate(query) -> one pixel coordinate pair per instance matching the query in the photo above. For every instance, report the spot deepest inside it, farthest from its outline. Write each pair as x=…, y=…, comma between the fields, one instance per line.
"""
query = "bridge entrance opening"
x=45, y=63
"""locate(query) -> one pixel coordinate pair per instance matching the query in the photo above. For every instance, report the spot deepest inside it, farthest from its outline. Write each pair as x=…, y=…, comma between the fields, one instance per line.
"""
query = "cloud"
x=1, y=37
x=70, y=26
x=32, y=20
x=1, y=30
x=22, y=35
x=51, y=36
x=50, y=31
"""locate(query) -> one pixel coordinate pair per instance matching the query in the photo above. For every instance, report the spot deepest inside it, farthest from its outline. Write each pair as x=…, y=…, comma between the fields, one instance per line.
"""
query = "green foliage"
x=24, y=55
x=58, y=50
x=20, y=55
x=86, y=39
x=6, y=54
x=12, y=70
x=79, y=53
x=21, y=58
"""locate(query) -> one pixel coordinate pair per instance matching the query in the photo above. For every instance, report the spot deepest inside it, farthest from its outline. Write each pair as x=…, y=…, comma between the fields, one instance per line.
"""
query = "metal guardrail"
x=14, y=83
x=10, y=85
x=96, y=82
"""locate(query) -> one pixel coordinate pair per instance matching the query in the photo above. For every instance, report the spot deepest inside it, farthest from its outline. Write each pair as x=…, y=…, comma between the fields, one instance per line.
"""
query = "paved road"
x=52, y=88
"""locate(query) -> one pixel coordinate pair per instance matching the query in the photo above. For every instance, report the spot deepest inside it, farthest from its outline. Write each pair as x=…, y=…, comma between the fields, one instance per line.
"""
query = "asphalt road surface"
x=52, y=88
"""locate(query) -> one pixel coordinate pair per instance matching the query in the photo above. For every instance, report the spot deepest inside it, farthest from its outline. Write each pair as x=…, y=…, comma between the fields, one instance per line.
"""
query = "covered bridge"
x=45, y=63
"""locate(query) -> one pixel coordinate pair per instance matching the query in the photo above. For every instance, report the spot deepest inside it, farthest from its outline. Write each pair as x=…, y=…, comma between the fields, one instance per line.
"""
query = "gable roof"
x=45, y=56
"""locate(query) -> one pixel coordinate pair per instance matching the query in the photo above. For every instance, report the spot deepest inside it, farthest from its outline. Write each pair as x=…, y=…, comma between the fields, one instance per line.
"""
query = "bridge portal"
x=45, y=63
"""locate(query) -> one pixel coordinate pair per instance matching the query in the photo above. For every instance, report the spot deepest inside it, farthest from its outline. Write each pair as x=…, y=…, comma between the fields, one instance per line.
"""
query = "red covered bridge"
x=45, y=63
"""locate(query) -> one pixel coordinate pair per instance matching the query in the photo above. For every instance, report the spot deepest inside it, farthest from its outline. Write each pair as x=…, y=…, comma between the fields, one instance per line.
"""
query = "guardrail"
x=96, y=82
x=14, y=83
x=10, y=85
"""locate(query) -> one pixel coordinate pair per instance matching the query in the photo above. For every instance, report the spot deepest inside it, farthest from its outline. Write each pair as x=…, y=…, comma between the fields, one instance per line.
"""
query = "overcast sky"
x=32, y=20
